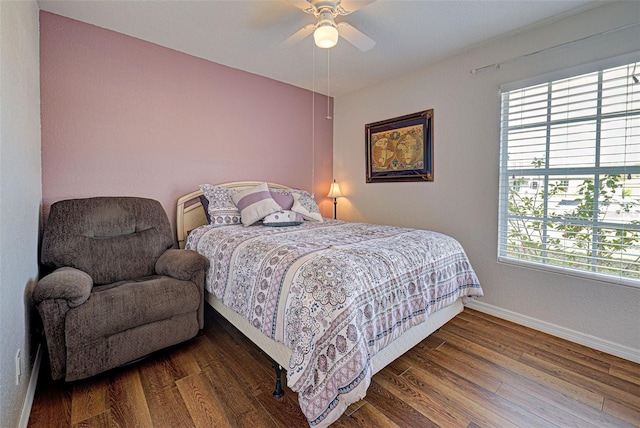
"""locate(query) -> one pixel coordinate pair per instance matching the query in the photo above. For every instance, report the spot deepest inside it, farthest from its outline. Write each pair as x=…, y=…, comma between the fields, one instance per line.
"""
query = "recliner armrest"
x=181, y=264
x=65, y=283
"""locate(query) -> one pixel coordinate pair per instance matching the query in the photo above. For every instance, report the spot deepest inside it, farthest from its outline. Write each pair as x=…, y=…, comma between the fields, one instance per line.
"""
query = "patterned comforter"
x=335, y=293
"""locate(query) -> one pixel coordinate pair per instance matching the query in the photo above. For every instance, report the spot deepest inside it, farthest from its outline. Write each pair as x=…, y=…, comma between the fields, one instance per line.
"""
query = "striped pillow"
x=255, y=203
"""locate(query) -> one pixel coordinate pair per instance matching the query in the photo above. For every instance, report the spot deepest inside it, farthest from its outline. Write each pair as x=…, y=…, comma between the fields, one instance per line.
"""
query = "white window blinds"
x=570, y=175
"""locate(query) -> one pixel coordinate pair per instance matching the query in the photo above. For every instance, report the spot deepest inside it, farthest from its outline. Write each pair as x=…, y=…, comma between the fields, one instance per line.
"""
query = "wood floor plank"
x=618, y=364
x=572, y=366
x=577, y=355
x=285, y=411
x=488, y=351
x=553, y=394
x=257, y=375
x=206, y=350
x=127, y=401
x=89, y=398
x=539, y=340
x=101, y=420
x=497, y=324
x=366, y=415
x=205, y=406
x=244, y=408
x=157, y=372
x=622, y=411
x=487, y=408
x=254, y=369
x=623, y=373
x=395, y=408
x=504, y=346
x=477, y=371
x=544, y=410
x=436, y=408
x=565, y=402
x=260, y=361
x=168, y=408
x=544, y=393
x=182, y=359
x=623, y=391
x=611, y=360
x=432, y=342
x=464, y=365
x=52, y=402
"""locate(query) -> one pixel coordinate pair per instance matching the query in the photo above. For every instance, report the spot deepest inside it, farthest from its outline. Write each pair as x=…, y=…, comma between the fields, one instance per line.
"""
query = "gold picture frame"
x=401, y=148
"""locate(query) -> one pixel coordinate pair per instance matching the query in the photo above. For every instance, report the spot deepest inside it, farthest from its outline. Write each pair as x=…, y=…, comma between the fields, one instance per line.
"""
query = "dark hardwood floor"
x=477, y=371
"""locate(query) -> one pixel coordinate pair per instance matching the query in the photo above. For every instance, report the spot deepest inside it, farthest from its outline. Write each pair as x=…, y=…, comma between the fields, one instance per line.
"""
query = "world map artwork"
x=398, y=149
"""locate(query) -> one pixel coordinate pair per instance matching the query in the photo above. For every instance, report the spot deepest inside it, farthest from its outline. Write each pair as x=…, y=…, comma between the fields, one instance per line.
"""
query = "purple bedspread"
x=335, y=293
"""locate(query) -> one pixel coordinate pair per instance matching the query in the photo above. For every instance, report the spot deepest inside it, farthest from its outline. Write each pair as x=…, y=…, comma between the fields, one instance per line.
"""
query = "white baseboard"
x=574, y=336
x=31, y=389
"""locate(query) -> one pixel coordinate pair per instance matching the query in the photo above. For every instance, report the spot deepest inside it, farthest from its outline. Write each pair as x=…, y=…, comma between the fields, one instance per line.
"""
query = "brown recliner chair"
x=118, y=292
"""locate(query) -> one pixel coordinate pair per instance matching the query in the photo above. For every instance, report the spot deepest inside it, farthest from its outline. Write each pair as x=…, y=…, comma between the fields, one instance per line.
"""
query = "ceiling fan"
x=326, y=30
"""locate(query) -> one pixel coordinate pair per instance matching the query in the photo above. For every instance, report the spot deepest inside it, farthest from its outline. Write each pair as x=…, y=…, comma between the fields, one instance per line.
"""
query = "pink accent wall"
x=121, y=116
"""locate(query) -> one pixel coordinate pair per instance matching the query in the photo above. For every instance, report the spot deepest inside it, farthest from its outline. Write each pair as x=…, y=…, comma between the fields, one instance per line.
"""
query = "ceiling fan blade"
x=355, y=37
x=351, y=6
x=303, y=5
x=345, y=7
x=298, y=36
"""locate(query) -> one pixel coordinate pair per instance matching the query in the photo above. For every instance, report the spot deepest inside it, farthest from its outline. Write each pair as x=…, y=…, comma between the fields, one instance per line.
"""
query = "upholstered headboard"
x=190, y=213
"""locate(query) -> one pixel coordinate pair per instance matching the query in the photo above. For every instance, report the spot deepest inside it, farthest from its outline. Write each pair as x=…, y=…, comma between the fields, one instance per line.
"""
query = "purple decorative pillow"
x=285, y=200
x=255, y=203
x=205, y=205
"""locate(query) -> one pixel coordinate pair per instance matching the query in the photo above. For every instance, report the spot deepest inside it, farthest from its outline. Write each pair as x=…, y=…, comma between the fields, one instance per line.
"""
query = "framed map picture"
x=400, y=149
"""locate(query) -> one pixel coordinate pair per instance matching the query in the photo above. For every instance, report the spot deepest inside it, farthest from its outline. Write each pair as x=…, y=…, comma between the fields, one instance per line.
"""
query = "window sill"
x=625, y=282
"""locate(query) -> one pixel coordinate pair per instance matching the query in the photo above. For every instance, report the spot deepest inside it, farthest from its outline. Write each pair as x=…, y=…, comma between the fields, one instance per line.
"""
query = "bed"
x=332, y=302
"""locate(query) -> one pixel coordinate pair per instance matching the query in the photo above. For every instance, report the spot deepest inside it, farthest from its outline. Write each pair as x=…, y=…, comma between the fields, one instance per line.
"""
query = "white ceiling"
x=246, y=34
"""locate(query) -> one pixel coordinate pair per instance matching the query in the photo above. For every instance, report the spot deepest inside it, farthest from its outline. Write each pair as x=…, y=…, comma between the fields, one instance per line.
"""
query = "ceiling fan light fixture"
x=326, y=33
x=326, y=36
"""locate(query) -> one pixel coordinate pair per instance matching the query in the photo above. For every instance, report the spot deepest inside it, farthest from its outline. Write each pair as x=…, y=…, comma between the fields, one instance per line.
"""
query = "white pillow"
x=304, y=204
x=255, y=203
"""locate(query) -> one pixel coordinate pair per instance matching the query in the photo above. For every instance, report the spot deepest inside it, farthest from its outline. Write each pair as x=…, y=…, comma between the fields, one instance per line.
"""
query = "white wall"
x=463, y=199
x=20, y=196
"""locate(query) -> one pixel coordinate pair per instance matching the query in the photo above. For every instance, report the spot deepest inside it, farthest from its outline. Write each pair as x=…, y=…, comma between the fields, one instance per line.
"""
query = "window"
x=576, y=143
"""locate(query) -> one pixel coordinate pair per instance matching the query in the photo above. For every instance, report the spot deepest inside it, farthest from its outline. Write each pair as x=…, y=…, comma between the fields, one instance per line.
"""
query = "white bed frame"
x=190, y=214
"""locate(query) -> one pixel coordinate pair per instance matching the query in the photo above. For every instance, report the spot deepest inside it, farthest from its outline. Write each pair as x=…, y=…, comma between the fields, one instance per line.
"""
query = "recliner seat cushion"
x=117, y=307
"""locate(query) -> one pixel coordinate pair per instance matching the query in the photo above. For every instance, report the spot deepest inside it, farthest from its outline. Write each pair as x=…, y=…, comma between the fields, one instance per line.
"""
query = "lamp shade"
x=334, y=191
x=326, y=36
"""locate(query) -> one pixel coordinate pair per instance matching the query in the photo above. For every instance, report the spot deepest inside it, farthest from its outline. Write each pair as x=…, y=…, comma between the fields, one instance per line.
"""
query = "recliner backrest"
x=110, y=238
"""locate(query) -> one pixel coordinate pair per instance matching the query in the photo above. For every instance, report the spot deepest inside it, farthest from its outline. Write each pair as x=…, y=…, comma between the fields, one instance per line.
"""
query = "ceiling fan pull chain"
x=328, y=86
x=313, y=118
